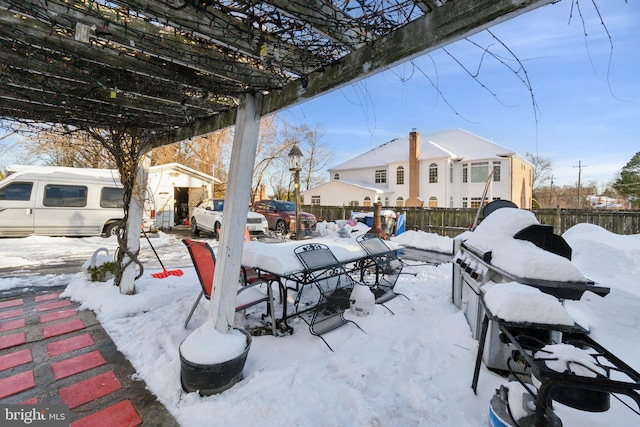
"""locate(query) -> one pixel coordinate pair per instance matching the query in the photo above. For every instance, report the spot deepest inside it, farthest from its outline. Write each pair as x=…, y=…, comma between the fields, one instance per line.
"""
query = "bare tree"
x=273, y=146
x=128, y=149
x=207, y=153
x=541, y=173
x=317, y=156
x=64, y=146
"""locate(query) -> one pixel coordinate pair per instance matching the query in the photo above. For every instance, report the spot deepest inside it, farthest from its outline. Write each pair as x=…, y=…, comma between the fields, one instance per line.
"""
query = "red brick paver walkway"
x=50, y=353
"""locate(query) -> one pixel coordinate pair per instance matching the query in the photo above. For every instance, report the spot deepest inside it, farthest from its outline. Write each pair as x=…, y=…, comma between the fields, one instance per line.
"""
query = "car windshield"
x=285, y=206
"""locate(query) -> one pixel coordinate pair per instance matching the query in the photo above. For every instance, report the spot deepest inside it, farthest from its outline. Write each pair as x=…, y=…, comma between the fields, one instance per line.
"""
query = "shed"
x=175, y=189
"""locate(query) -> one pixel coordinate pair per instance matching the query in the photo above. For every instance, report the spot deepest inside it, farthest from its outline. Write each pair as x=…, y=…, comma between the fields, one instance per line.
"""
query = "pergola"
x=170, y=70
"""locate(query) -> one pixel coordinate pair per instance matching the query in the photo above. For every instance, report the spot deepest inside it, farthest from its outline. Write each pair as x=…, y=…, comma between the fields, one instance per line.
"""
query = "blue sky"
x=587, y=95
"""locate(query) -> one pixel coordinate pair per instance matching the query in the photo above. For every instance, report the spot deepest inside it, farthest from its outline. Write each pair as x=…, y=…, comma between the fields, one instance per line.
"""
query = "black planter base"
x=216, y=378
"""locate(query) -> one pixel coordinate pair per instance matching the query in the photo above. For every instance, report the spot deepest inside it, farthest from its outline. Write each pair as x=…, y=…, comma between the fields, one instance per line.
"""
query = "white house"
x=448, y=169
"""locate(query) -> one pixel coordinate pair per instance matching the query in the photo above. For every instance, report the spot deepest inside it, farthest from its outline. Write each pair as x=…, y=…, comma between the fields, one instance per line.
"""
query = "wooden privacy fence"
x=453, y=221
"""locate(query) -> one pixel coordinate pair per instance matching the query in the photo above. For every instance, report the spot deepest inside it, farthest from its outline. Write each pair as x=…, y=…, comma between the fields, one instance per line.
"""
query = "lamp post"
x=295, y=165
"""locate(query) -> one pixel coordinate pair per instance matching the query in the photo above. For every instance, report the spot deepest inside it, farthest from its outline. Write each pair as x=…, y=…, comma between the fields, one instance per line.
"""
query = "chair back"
x=204, y=261
x=385, y=258
x=388, y=267
x=333, y=283
x=372, y=244
x=316, y=256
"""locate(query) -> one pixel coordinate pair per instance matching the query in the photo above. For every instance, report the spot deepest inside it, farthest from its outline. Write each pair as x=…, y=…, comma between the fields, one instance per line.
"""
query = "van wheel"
x=194, y=227
x=111, y=230
x=216, y=233
x=281, y=227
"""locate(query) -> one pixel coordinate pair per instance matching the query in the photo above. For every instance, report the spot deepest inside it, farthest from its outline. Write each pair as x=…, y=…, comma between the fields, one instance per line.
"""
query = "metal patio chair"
x=388, y=267
x=204, y=261
x=334, y=286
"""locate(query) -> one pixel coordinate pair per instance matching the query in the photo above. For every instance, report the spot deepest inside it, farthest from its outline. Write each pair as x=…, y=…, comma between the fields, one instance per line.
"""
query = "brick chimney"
x=414, y=170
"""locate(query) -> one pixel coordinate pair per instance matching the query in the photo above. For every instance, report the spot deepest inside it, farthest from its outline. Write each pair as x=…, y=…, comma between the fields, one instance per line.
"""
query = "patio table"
x=280, y=260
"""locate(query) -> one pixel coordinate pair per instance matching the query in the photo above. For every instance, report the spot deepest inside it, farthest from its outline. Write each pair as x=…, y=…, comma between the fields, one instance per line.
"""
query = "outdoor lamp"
x=295, y=165
x=295, y=159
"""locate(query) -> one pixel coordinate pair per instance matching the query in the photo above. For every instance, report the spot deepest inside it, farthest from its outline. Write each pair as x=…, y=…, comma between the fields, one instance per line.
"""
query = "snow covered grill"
x=511, y=276
x=510, y=246
x=579, y=373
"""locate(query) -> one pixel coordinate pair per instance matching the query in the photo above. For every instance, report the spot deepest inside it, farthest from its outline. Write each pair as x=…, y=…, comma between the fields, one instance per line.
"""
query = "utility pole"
x=551, y=193
x=580, y=166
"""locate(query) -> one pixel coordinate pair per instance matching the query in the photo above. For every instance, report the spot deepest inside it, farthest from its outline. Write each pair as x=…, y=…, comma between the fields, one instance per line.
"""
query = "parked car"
x=207, y=216
x=60, y=201
x=281, y=216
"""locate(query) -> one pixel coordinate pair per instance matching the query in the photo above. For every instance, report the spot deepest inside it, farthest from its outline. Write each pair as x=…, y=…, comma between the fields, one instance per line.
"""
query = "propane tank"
x=362, y=300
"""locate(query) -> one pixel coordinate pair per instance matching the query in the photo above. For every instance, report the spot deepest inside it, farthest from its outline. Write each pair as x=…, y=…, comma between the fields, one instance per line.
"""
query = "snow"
x=413, y=368
x=519, y=257
x=564, y=357
x=504, y=300
x=207, y=346
x=426, y=241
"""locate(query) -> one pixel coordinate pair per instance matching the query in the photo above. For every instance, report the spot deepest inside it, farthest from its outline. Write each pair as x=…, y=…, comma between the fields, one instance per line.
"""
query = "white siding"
x=455, y=147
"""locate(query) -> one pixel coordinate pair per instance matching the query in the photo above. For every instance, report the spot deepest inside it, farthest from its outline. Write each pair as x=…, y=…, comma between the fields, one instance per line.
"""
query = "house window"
x=354, y=203
x=433, y=202
x=400, y=202
x=381, y=176
x=315, y=200
x=451, y=173
x=475, y=202
x=400, y=175
x=450, y=202
x=367, y=201
x=336, y=176
x=496, y=171
x=433, y=173
x=386, y=201
x=479, y=171
x=465, y=173
x=465, y=203
x=378, y=199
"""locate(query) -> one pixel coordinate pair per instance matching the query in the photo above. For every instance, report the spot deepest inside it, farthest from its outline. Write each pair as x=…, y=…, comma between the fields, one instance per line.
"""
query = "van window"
x=16, y=191
x=111, y=197
x=65, y=195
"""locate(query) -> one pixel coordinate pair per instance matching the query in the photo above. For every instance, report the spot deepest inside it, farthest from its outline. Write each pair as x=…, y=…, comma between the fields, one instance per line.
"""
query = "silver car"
x=207, y=216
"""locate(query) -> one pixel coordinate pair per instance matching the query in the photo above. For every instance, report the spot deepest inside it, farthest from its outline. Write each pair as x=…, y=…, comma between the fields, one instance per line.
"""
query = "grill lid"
x=542, y=236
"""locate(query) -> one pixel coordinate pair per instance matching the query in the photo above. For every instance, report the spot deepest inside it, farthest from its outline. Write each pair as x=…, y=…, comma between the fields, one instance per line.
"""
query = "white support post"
x=234, y=218
x=134, y=222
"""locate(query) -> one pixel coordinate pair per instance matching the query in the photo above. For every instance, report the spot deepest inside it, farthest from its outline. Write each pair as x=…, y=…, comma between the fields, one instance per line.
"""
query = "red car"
x=281, y=216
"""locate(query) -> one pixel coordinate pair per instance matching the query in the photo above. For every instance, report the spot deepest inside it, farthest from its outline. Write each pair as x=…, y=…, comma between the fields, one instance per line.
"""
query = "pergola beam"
x=445, y=24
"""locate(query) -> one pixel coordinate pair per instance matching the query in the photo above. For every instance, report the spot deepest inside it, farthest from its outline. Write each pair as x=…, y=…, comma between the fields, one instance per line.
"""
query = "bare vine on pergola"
x=126, y=148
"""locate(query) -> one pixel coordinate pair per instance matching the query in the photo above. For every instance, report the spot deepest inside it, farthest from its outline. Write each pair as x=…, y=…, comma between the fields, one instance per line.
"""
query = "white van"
x=60, y=201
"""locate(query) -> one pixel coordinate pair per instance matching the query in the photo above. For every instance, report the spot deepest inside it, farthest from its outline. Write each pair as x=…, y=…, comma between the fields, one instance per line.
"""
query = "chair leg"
x=193, y=309
x=273, y=309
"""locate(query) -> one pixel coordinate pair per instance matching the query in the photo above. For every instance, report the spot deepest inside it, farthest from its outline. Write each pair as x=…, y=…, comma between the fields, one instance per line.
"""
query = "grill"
x=520, y=348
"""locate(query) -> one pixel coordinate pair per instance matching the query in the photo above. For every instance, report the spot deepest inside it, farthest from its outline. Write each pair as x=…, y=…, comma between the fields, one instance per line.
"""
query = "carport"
x=168, y=70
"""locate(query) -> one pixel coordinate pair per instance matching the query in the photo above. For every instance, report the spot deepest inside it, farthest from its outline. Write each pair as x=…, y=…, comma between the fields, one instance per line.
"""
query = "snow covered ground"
x=413, y=368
